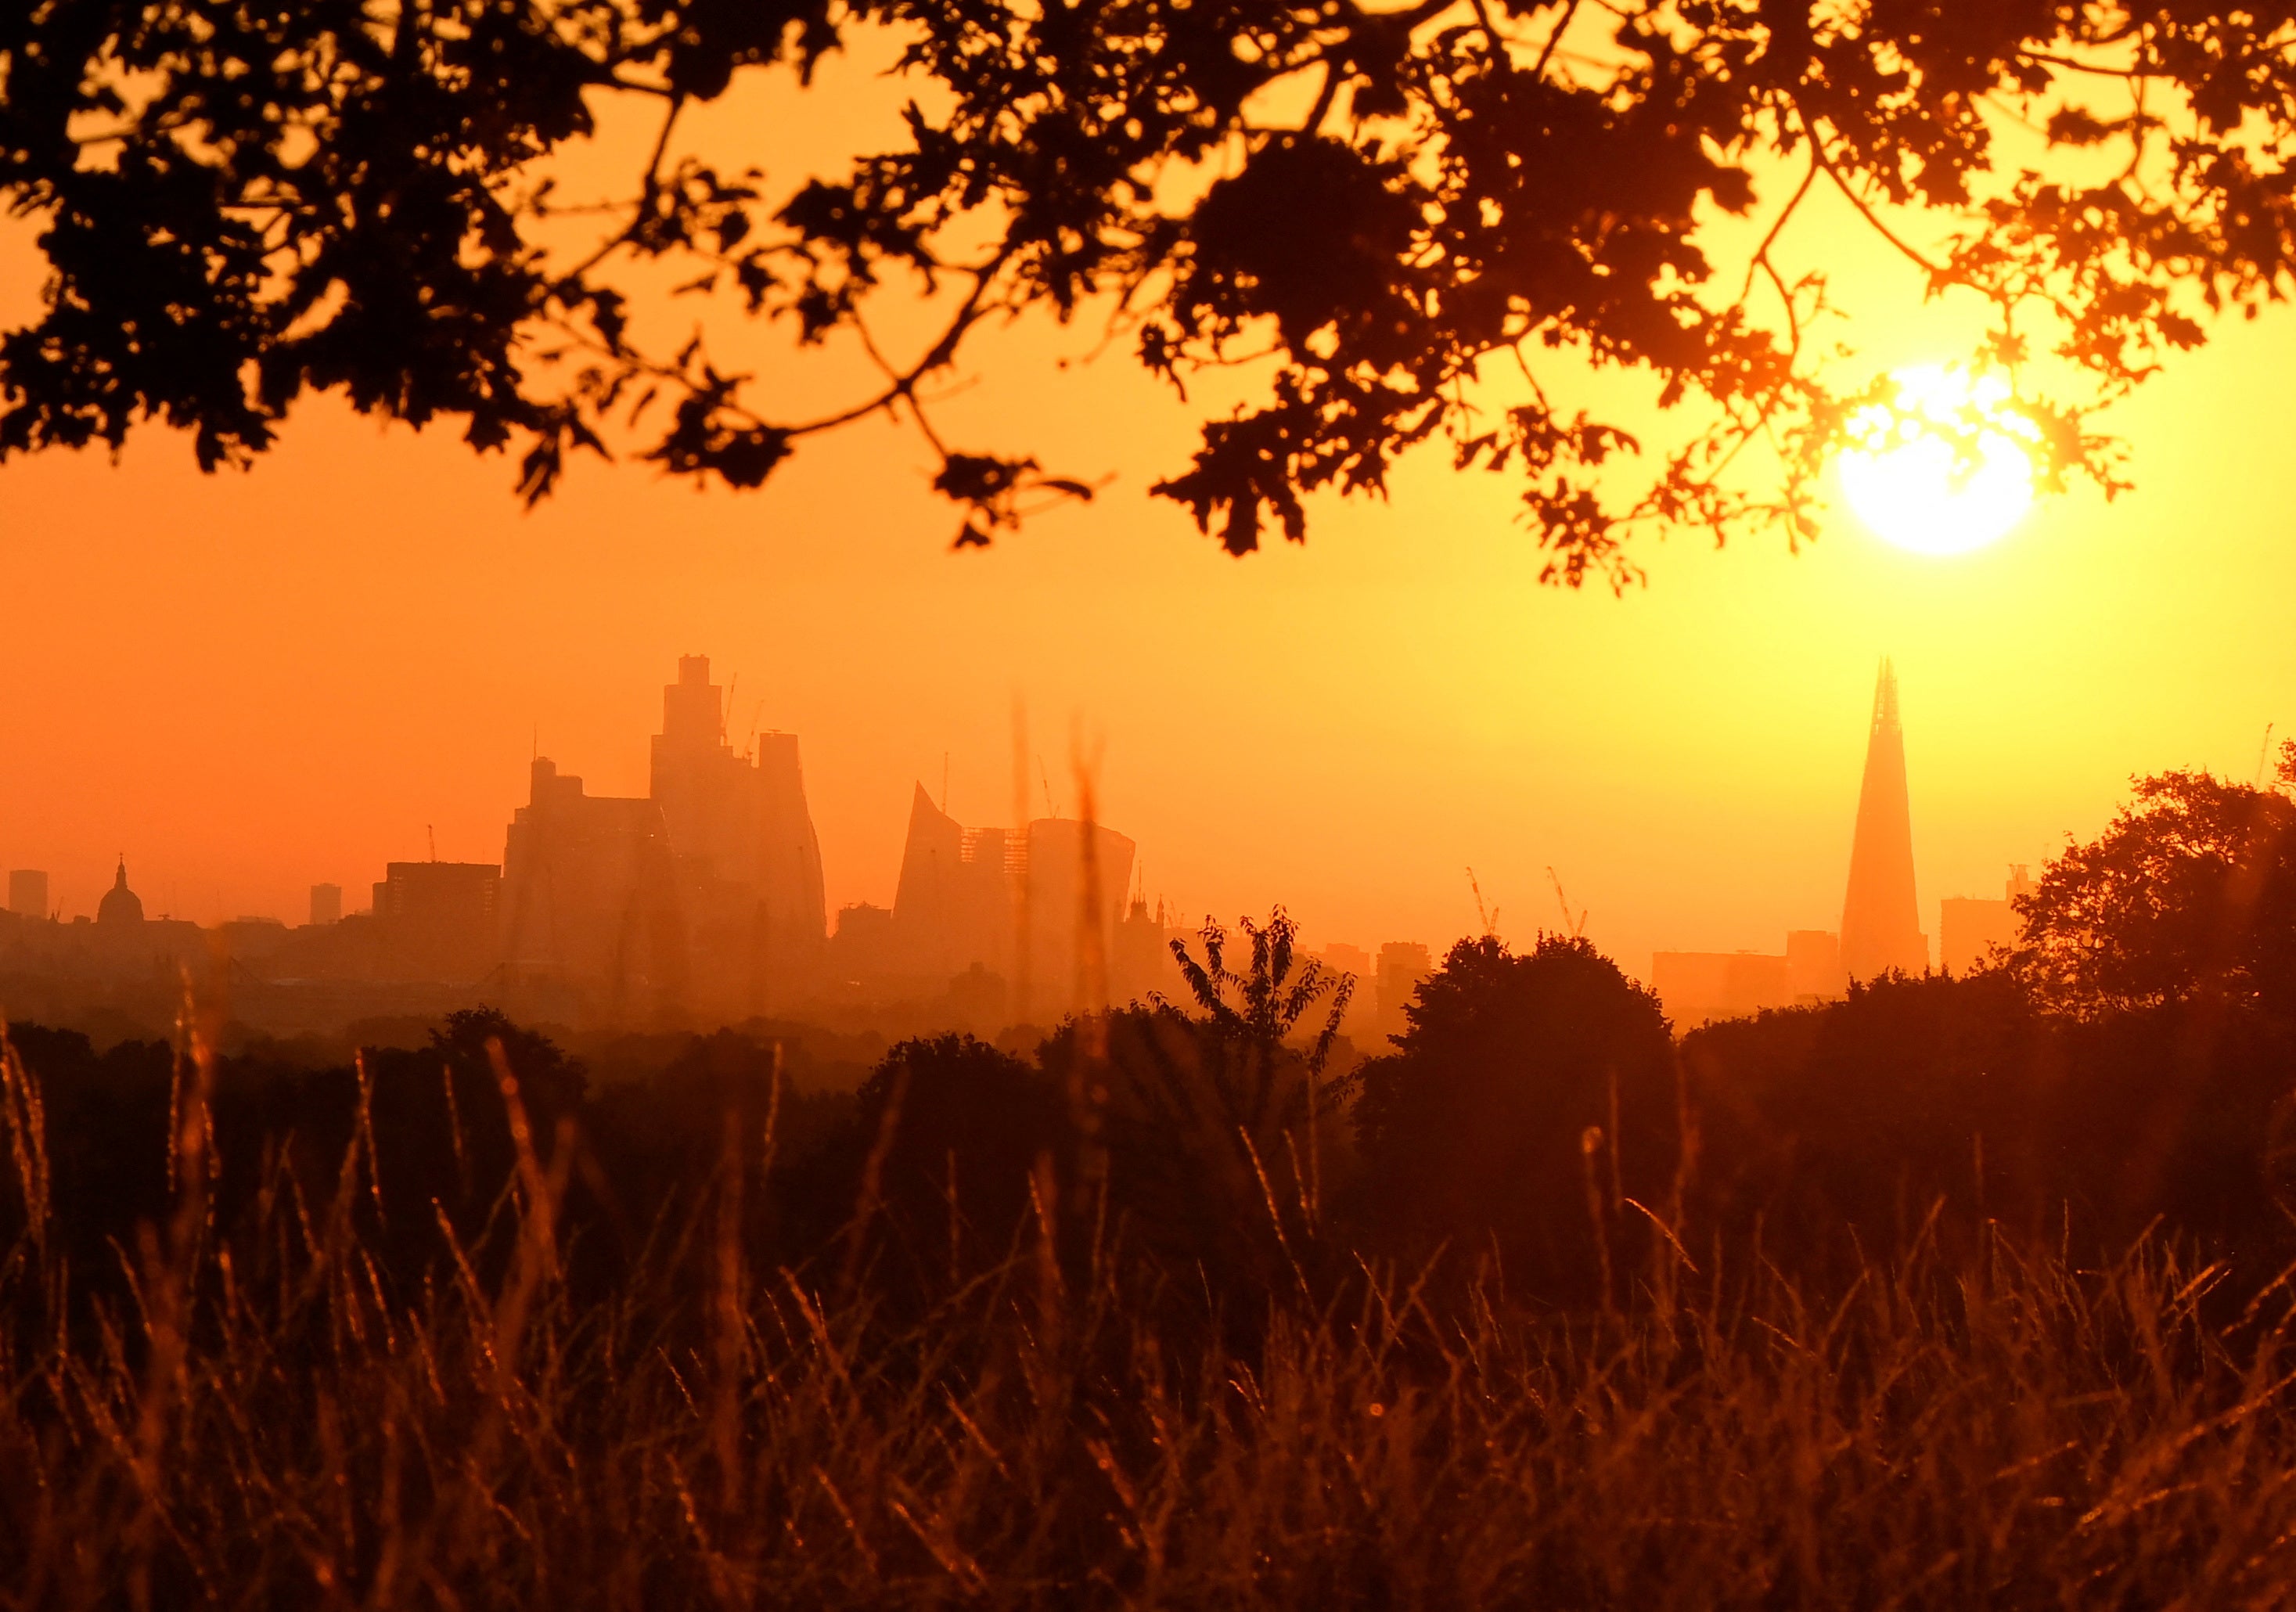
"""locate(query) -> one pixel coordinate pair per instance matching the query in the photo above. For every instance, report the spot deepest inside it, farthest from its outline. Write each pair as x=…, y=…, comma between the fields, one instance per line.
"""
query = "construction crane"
x=1489, y=915
x=1574, y=926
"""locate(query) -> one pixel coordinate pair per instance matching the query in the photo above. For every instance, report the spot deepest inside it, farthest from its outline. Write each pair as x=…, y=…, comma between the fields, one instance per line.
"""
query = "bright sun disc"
x=1944, y=468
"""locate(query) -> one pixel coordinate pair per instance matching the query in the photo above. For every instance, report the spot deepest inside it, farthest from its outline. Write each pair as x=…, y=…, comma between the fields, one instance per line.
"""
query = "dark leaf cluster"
x=1391, y=214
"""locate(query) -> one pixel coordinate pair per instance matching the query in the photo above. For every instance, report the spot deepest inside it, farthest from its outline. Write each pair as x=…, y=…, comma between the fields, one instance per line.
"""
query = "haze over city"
x=253, y=683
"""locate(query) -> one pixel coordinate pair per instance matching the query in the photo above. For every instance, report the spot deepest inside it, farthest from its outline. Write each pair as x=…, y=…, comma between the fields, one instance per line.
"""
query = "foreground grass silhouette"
x=262, y=1420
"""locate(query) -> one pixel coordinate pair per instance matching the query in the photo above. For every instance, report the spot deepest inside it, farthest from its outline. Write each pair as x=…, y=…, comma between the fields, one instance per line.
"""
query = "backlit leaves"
x=1396, y=223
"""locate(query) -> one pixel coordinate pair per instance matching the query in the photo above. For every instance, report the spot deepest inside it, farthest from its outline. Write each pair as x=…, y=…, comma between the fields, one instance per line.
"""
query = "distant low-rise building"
x=1971, y=929
x=1814, y=971
x=326, y=904
x=1353, y=963
x=862, y=950
x=438, y=920
x=28, y=893
x=1697, y=988
x=251, y=939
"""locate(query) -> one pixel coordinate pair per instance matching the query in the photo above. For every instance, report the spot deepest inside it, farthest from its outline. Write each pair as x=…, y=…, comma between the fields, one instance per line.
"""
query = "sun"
x=1942, y=468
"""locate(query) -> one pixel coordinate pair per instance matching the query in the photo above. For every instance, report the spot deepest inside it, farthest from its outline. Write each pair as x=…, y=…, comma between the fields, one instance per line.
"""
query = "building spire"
x=1880, y=921
x=1885, y=697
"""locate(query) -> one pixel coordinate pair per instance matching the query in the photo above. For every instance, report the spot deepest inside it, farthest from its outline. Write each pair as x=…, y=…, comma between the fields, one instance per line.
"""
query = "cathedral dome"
x=119, y=904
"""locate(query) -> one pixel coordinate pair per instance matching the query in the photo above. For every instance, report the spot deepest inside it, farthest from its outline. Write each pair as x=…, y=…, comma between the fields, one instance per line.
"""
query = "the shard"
x=1881, y=924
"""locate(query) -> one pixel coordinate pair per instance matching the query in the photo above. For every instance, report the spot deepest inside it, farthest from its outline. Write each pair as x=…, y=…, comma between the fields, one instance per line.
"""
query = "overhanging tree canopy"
x=242, y=200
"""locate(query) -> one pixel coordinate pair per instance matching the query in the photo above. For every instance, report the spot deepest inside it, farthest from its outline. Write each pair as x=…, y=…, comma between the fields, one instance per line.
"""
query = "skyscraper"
x=589, y=897
x=1880, y=925
x=958, y=897
x=1072, y=895
x=749, y=862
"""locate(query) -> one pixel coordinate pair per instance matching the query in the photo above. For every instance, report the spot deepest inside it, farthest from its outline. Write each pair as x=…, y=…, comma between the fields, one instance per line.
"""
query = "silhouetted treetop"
x=2189, y=893
x=1526, y=1085
x=1374, y=210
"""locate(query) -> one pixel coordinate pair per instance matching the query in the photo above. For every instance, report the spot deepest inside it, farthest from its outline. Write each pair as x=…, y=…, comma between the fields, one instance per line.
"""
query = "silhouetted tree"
x=1958, y=1109
x=239, y=204
x=946, y=1137
x=1215, y=1115
x=2189, y=893
x=1835, y=1129
x=1265, y=1030
x=1530, y=1097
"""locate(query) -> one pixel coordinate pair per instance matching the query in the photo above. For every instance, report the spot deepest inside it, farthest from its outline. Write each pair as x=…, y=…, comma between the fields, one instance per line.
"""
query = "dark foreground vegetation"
x=1959, y=1292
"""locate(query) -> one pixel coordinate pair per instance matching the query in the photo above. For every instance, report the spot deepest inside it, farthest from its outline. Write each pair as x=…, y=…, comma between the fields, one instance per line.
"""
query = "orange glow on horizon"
x=253, y=684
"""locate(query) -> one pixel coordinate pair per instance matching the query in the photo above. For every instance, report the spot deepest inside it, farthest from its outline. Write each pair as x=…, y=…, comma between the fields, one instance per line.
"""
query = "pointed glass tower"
x=1881, y=924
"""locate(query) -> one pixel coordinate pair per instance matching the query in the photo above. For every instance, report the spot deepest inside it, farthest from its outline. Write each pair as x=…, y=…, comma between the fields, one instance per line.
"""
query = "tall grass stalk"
x=270, y=1421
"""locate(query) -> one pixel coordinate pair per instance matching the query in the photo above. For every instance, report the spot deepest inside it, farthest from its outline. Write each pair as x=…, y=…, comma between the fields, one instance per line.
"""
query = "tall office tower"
x=957, y=900
x=327, y=904
x=1404, y=965
x=1072, y=894
x=28, y=893
x=589, y=896
x=1880, y=926
x=748, y=861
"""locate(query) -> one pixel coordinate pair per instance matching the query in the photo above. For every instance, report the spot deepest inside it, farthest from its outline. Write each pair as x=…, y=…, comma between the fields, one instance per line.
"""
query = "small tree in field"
x=1530, y=1099
x=2189, y=894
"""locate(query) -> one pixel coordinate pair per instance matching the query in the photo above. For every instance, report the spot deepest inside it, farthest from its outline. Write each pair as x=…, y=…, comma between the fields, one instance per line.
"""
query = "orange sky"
x=251, y=682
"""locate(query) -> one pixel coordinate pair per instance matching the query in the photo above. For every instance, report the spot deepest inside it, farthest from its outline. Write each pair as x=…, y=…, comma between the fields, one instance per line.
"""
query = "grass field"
x=256, y=1414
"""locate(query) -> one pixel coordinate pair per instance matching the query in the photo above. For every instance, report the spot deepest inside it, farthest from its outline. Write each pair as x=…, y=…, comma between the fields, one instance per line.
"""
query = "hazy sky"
x=251, y=682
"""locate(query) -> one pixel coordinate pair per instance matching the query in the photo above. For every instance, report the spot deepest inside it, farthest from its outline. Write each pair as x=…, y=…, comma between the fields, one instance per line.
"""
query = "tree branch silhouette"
x=241, y=207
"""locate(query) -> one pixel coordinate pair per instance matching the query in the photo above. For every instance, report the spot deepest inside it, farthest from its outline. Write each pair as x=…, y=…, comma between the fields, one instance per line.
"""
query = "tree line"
x=2131, y=1066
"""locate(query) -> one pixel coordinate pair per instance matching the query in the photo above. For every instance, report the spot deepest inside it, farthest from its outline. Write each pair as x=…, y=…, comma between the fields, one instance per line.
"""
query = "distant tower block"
x=1813, y=966
x=1880, y=925
x=1404, y=965
x=28, y=893
x=326, y=904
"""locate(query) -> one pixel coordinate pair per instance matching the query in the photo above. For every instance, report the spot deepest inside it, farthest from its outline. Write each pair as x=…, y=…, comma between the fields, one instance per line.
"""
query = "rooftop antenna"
x=1489, y=915
x=1045, y=779
x=944, y=783
x=726, y=711
x=1576, y=926
x=427, y=828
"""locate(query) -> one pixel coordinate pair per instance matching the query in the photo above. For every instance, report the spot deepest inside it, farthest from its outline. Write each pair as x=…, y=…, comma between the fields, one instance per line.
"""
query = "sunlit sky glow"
x=253, y=683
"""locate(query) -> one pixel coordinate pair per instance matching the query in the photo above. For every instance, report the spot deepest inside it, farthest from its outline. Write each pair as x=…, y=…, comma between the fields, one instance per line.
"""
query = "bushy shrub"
x=1530, y=1105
